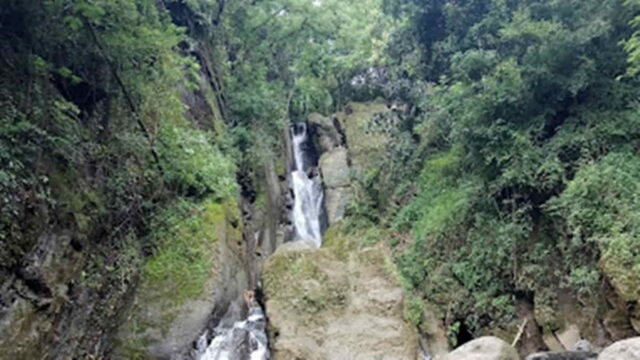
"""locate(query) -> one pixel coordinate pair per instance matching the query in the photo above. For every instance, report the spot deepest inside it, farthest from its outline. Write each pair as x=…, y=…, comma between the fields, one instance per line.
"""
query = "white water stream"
x=247, y=339
x=242, y=340
x=307, y=191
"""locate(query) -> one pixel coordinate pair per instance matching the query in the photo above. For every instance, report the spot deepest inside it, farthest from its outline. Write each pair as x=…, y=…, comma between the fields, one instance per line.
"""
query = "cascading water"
x=307, y=190
x=239, y=340
x=235, y=339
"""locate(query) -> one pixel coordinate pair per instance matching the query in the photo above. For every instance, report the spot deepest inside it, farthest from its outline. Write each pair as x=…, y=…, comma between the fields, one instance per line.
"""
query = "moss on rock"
x=340, y=301
x=178, y=280
x=184, y=260
x=298, y=280
x=364, y=146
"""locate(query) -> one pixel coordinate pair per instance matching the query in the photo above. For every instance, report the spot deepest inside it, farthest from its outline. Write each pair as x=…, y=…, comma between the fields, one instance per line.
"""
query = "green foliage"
x=363, y=209
x=438, y=217
x=25, y=186
x=442, y=200
x=95, y=85
x=632, y=45
x=287, y=58
x=94, y=142
x=413, y=309
x=186, y=234
x=519, y=134
x=602, y=209
x=454, y=329
x=194, y=165
x=523, y=130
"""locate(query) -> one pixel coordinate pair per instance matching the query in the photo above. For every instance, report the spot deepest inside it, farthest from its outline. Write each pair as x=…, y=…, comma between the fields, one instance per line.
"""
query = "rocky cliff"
x=338, y=302
x=83, y=201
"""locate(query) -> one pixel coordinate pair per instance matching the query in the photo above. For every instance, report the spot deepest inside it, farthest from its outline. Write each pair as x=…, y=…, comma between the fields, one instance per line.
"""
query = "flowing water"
x=307, y=190
x=235, y=339
x=239, y=340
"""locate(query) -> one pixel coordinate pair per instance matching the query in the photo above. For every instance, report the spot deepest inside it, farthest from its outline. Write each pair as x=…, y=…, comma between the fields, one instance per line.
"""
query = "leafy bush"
x=526, y=129
x=601, y=206
x=193, y=165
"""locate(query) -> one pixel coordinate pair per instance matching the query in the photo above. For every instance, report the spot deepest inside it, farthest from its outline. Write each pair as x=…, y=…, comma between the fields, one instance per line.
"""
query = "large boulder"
x=336, y=302
x=365, y=147
x=335, y=201
x=336, y=175
x=335, y=168
x=347, y=147
x=622, y=350
x=328, y=132
x=484, y=348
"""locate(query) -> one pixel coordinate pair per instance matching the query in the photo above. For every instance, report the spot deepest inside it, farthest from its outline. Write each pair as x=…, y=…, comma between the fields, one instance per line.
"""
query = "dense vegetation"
x=127, y=125
x=287, y=58
x=513, y=174
x=94, y=136
x=525, y=133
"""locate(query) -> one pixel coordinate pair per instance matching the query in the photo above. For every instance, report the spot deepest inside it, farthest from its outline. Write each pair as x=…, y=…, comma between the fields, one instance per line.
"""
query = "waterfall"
x=307, y=190
x=237, y=340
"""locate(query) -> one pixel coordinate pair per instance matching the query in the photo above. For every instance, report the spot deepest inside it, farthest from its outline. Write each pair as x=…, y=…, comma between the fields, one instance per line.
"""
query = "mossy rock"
x=336, y=240
x=339, y=301
x=364, y=147
x=177, y=282
x=185, y=259
x=299, y=279
x=23, y=339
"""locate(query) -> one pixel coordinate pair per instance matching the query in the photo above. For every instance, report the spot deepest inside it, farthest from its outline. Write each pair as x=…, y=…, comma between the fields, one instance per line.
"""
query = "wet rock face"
x=334, y=164
x=31, y=300
x=335, y=303
x=163, y=325
x=47, y=266
x=328, y=132
x=55, y=307
x=622, y=350
x=484, y=348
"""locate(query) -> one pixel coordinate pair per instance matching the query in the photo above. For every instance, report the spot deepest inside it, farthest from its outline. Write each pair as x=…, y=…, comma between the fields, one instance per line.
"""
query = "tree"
x=524, y=95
